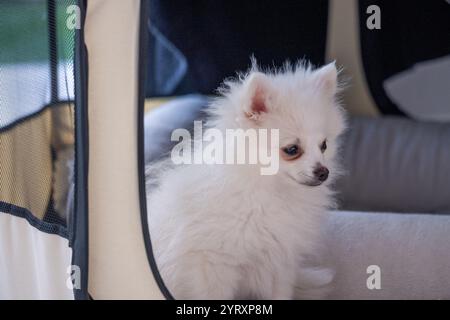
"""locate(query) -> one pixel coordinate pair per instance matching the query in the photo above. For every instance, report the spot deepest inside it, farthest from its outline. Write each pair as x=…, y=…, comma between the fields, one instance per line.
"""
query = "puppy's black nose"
x=321, y=173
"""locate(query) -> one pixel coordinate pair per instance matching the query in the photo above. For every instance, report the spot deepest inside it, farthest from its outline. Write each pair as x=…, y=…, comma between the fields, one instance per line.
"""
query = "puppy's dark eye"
x=323, y=146
x=292, y=150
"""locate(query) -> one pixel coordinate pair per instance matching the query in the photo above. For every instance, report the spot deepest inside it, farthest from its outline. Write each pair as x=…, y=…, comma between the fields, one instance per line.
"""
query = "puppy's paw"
x=314, y=283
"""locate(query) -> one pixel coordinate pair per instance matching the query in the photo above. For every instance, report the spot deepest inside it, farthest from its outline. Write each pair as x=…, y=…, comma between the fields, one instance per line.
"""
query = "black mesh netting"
x=36, y=111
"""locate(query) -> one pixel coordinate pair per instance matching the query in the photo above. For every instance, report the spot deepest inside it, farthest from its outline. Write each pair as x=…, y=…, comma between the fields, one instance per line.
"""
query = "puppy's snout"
x=321, y=173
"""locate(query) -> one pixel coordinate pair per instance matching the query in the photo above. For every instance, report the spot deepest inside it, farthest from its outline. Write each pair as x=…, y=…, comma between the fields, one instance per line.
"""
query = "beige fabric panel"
x=118, y=265
x=343, y=45
x=26, y=172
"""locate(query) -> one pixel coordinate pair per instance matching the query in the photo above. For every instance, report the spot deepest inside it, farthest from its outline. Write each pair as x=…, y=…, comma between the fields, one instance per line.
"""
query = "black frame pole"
x=79, y=239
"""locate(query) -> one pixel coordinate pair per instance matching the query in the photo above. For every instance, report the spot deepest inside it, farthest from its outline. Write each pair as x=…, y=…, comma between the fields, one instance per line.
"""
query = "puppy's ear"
x=327, y=78
x=257, y=95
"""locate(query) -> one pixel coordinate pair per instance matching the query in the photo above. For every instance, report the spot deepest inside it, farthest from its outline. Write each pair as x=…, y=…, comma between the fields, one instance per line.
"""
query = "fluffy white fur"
x=227, y=232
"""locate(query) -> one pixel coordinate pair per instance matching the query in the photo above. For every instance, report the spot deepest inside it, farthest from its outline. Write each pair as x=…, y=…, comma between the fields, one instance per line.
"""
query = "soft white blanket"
x=411, y=250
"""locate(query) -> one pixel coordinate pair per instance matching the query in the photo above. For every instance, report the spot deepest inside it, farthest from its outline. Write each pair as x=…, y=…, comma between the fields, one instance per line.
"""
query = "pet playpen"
x=46, y=84
x=73, y=87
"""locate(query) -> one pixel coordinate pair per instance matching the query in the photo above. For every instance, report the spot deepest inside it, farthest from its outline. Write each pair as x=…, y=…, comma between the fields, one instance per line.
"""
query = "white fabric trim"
x=33, y=264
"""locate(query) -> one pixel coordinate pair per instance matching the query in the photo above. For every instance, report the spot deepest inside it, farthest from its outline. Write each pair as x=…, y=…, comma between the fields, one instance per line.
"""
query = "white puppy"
x=228, y=232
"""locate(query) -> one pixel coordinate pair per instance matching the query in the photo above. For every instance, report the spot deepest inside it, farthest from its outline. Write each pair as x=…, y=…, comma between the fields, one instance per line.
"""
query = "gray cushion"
x=397, y=165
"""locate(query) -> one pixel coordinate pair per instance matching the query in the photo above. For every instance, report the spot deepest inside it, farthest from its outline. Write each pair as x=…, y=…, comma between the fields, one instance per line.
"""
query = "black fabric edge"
x=375, y=92
x=142, y=70
x=46, y=227
x=79, y=240
x=35, y=114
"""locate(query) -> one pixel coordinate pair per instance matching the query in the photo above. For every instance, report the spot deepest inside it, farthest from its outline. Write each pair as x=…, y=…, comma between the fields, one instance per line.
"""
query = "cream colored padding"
x=118, y=265
x=343, y=45
x=33, y=264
